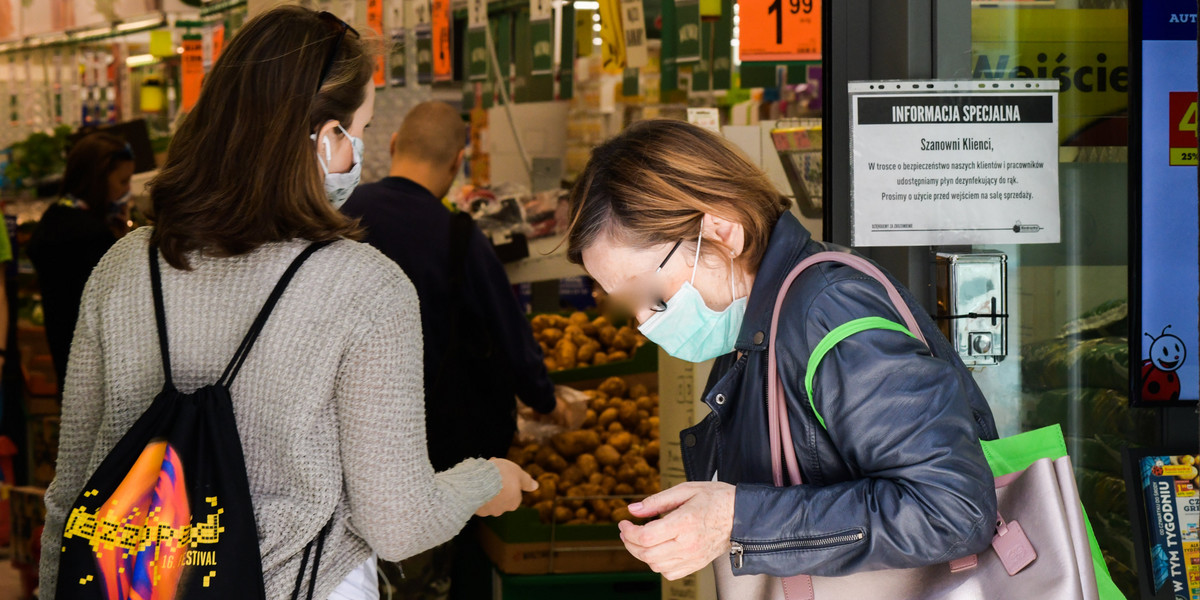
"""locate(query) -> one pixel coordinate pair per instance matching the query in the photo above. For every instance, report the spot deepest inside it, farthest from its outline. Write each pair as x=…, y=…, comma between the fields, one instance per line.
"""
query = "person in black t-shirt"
x=77, y=230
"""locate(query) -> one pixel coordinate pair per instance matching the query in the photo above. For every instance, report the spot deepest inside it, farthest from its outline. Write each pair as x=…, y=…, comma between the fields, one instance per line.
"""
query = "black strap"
x=160, y=315
x=312, y=581
x=243, y=351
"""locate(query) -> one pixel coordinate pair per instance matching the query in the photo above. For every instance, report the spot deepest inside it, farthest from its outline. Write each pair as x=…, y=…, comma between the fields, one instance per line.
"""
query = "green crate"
x=524, y=526
x=645, y=360
x=583, y=586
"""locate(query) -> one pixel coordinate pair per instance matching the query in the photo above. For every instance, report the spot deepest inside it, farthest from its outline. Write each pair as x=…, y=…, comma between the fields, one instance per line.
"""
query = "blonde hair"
x=653, y=184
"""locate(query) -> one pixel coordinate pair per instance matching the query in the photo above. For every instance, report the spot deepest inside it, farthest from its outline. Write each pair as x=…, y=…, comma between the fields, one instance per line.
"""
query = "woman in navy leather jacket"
x=696, y=241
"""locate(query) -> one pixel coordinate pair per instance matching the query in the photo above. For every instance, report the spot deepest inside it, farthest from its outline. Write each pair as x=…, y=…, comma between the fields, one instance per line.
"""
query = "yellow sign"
x=1086, y=50
x=612, y=39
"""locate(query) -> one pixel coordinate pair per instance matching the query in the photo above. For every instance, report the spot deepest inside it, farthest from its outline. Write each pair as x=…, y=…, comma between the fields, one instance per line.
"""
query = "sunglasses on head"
x=341, y=27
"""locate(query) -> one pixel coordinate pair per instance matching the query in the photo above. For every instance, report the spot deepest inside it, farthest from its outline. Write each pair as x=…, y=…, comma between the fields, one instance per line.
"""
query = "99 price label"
x=778, y=30
x=1183, y=129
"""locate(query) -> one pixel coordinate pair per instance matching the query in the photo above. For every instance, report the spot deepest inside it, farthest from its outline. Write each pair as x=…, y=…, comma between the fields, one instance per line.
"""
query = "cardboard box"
x=566, y=556
x=28, y=518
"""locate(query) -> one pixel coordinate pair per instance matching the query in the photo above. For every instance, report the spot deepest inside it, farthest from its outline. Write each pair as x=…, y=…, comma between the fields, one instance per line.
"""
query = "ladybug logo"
x=1159, y=381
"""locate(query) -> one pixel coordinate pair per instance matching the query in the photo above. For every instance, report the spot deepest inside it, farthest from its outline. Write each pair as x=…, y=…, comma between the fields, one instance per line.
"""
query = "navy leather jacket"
x=898, y=480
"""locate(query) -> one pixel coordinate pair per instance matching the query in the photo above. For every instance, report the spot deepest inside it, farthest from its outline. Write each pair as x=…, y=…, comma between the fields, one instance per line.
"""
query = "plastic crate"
x=586, y=586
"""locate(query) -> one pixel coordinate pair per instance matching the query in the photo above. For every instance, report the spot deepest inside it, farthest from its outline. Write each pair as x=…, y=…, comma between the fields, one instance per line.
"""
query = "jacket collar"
x=787, y=246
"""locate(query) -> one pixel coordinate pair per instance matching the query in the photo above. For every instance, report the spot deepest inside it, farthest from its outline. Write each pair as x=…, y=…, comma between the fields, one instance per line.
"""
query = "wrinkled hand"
x=695, y=530
x=514, y=480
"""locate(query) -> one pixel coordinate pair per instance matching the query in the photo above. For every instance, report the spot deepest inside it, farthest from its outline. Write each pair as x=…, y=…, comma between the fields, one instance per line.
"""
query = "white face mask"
x=339, y=186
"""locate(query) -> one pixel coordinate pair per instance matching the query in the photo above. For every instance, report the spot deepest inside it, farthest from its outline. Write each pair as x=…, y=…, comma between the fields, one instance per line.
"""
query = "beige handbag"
x=1041, y=548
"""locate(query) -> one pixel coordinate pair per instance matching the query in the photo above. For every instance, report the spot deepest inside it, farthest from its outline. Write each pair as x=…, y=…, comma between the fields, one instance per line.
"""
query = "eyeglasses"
x=662, y=303
x=342, y=28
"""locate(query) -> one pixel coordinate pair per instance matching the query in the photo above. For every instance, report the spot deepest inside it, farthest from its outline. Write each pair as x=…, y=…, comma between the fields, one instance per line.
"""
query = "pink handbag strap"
x=777, y=417
x=800, y=587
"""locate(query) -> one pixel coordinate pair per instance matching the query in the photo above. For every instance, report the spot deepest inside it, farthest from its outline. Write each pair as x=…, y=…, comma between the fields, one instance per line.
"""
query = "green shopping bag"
x=1016, y=453
x=1005, y=456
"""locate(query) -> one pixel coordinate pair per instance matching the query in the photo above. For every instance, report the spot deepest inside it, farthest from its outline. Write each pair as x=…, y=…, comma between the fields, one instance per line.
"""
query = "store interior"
x=542, y=83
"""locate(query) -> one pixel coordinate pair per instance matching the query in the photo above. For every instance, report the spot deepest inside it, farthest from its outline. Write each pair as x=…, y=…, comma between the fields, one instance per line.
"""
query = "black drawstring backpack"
x=168, y=515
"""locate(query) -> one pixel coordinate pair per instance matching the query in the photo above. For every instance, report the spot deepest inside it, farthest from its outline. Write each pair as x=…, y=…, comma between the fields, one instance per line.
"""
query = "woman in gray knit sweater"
x=329, y=404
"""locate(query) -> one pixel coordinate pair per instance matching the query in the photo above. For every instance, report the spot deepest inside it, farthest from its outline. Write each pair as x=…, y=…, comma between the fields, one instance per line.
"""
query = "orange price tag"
x=775, y=30
x=375, y=23
x=218, y=41
x=192, y=71
x=443, y=68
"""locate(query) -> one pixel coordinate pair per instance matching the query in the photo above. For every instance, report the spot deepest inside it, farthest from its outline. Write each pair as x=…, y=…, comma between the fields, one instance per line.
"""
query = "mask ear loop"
x=696, y=262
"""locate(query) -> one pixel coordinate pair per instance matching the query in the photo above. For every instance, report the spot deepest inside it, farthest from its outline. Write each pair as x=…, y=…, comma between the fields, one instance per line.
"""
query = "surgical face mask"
x=118, y=205
x=690, y=330
x=339, y=186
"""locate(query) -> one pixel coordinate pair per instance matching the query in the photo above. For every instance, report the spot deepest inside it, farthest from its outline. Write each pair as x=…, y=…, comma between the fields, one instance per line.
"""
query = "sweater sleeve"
x=398, y=504
x=82, y=413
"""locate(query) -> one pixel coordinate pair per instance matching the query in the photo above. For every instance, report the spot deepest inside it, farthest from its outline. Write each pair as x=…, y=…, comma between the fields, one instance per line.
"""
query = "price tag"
x=687, y=18
x=417, y=13
x=777, y=30
x=1183, y=129
x=191, y=71
x=443, y=65
x=477, y=16
x=633, y=23
x=541, y=10
x=375, y=23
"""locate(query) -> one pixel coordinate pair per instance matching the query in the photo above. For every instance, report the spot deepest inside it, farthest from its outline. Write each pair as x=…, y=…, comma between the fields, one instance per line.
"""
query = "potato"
x=626, y=339
x=556, y=463
x=572, y=476
x=552, y=335
x=640, y=484
x=578, y=318
x=607, y=485
x=596, y=479
x=650, y=452
x=535, y=470
x=588, y=350
x=572, y=498
x=566, y=354
x=571, y=444
x=547, y=490
x=654, y=426
x=588, y=464
x=589, y=419
x=607, y=417
x=607, y=335
x=626, y=474
x=518, y=455
x=576, y=335
x=545, y=509
x=551, y=364
x=616, y=427
x=643, y=469
x=581, y=513
x=638, y=391
x=610, y=470
x=608, y=456
x=540, y=323
x=590, y=330
x=601, y=322
x=644, y=402
x=545, y=348
x=617, y=356
x=613, y=386
x=601, y=509
x=563, y=514
x=599, y=358
x=628, y=414
x=621, y=441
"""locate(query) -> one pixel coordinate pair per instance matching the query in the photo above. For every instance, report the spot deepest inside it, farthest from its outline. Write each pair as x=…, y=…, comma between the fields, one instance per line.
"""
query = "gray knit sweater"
x=329, y=404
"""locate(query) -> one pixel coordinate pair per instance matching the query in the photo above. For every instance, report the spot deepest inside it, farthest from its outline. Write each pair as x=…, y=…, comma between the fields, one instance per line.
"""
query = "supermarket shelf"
x=544, y=263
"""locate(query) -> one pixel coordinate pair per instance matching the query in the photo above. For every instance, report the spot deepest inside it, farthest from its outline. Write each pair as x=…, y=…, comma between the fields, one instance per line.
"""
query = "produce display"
x=614, y=453
x=577, y=341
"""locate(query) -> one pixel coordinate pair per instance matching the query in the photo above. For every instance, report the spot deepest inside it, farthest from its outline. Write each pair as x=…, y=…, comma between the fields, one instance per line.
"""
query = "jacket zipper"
x=737, y=549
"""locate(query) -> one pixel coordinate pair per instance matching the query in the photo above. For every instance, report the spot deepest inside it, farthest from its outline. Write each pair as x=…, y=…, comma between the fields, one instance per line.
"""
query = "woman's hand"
x=514, y=480
x=694, y=531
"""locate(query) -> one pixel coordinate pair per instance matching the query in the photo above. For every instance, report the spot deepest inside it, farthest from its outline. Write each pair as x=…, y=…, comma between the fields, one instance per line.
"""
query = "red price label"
x=1183, y=129
x=375, y=22
x=779, y=30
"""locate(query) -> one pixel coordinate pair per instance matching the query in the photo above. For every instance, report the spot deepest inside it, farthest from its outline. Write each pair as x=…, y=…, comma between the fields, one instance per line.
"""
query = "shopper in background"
x=75, y=232
x=697, y=242
x=479, y=348
x=328, y=405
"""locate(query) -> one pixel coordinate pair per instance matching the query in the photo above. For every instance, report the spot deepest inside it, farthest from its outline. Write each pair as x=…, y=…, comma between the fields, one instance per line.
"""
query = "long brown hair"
x=89, y=163
x=654, y=182
x=241, y=170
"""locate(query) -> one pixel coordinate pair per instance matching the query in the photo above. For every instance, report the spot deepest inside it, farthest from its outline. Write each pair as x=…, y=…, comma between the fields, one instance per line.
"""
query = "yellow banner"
x=612, y=38
x=1086, y=50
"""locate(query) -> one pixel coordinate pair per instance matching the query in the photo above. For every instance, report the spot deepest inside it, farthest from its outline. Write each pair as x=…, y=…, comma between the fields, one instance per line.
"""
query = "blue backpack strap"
x=831, y=339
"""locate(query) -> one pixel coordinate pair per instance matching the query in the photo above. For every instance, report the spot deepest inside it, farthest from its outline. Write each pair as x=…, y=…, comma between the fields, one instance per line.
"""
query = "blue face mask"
x=690, y=330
